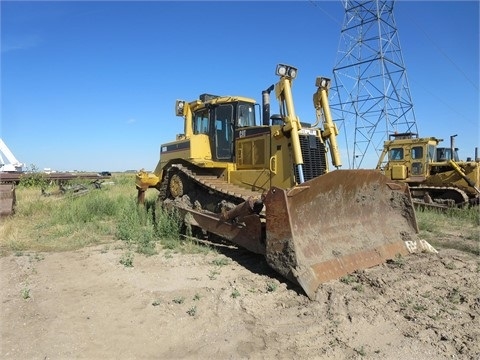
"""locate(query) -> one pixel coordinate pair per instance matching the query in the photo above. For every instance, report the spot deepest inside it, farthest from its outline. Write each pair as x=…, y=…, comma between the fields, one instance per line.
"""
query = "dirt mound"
x=90, y=304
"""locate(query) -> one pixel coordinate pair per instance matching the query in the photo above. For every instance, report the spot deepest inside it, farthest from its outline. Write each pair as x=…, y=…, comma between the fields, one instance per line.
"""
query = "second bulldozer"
x=436, y=176
x=266, y=186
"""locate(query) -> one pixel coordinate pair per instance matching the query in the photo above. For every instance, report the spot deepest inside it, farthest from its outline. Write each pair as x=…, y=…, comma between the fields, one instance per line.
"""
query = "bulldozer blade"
x=335, y=224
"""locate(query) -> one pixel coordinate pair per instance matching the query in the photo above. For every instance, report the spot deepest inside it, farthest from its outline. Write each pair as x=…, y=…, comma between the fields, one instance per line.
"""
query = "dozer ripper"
x=436, y=176
x=267, y=187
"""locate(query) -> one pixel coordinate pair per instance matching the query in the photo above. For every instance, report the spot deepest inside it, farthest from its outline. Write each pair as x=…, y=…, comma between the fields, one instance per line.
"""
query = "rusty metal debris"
x=15, y=177
x=7, y=199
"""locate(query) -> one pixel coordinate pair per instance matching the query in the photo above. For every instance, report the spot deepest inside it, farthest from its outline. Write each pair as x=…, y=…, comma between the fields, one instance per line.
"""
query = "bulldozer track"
x=209, y=182
x=422, y=203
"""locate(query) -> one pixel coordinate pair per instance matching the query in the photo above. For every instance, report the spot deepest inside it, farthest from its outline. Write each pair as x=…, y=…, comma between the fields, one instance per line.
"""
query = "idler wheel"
x=177, y=185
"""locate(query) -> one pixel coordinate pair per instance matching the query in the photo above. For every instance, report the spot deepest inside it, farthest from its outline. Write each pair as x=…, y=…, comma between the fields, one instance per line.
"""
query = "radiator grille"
x=314, y=159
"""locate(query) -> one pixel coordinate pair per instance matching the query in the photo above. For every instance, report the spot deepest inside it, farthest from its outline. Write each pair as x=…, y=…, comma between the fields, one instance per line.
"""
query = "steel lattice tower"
x=370, y=81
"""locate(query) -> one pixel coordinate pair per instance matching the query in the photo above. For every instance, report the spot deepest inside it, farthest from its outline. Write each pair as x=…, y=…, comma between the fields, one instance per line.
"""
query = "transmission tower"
x=370, y=88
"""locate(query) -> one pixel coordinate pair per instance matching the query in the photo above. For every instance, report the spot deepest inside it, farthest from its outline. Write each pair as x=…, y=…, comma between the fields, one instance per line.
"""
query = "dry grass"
x=456, y=229
x=61, y=222
x=65, y=222
x=68, y=222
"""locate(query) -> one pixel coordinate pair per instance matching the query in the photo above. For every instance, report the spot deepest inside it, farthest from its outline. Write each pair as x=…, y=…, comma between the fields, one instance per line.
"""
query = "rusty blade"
x=335, y=224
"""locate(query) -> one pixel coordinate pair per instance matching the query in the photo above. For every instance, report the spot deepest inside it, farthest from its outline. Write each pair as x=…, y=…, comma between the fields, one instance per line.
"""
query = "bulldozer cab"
x=219, y=121
x=405, y=156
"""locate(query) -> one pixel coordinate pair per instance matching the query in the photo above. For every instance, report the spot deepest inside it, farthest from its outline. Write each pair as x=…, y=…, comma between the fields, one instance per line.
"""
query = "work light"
x=286, y=70
x=179, y=106
x=322, y=82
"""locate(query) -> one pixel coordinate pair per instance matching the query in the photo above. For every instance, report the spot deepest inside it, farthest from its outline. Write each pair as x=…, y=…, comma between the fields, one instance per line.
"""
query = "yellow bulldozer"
x=435, y=175
x=267, y=187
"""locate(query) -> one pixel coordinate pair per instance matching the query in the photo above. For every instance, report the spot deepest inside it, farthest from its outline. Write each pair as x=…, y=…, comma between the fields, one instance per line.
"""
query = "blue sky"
x=92, y=85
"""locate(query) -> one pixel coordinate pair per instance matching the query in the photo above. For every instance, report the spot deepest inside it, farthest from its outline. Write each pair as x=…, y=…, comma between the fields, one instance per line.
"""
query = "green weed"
x=179, y=300
x=358, y=287
x=38, y=257
x=212, y=275
x=33, y=178
x=419, y=308
x=271, y=286
x=26, y=293
x=398, y=261
x=127, y=259
x=348, y=279
x=192, y=311
x=134, y=221
x=454, y=296
x=220, y=261
x=168, y=224
x=361, y=351
x=450, y=265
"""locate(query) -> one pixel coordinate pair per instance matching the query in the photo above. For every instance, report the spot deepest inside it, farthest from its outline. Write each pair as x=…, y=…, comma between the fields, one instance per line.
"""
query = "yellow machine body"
x=267, y=186
x=434, y=174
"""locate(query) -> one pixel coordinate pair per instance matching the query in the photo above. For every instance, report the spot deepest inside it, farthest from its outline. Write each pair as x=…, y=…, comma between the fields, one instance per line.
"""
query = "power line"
x=315, y=3
x=440, y=50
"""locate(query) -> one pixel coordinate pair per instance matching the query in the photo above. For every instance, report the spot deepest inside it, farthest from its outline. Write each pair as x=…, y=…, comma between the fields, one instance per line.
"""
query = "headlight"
x=322, y=82
x=179, y=106
x=281, y=70
x=292, y=73
x=286, y=70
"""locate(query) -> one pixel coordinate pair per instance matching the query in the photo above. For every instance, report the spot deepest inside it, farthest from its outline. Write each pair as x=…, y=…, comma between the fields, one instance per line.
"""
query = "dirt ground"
x=228, y=304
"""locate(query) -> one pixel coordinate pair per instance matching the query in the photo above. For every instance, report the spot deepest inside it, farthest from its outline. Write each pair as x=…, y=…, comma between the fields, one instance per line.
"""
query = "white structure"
x=12, y=165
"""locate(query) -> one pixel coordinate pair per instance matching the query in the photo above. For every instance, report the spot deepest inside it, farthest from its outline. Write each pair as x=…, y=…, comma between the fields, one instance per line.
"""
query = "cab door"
x=222, y=133
x=418, y=161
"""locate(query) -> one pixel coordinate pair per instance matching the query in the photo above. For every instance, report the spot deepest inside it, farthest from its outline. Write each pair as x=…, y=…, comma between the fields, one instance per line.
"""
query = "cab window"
x=444, y=154
x=396, y=154
x=246, y=115
x=200, y=122
x=431, y=153
x=417, y=152
x=417, y=168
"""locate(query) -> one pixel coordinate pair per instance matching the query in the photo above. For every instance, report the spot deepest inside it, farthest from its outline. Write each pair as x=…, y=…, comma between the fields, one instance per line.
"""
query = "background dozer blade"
x=335, y=224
